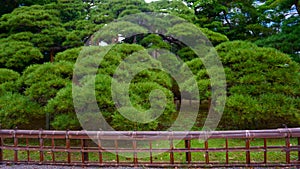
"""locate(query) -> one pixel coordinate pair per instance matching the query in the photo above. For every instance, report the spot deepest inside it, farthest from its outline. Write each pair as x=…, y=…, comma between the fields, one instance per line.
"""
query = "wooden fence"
x=143, y=148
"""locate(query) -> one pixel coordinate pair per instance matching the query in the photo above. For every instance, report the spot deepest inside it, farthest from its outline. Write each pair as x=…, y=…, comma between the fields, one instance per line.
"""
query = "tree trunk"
x=209, y=103
x=226, y=19
x=134, y=39
x=51, y=55
x=297, y=6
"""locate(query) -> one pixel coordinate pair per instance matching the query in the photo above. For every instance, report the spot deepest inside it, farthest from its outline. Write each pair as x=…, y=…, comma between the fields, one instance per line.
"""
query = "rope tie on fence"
x=67, y=134
x=247, y=134
x=14, y=133
x=31, y=131
x=98, y=136
x=289, y=132
x=134, y=135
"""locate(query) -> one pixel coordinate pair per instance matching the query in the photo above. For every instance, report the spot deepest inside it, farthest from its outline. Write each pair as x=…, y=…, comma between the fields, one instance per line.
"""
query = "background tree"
x=7, y=6
x=236, y=19
x=48, y=33
x=176, y=7
x=287, y=40
x=21, y=19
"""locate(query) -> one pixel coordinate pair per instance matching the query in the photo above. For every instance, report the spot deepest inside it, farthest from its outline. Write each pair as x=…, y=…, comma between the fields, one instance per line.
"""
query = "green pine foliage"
x=262, y=87
x=41, y=41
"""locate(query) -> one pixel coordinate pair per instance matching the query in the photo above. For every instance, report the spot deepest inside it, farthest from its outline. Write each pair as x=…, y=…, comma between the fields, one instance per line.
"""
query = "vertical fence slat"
x=188, y=156
x=52, y=152
x=28, y=152
x=150, y=145
x=41, y=146
x=226, y=146
x=206, y=152
x=265, y=151
x=299, y=149
x=16, y=146
x=84, y=155
x=248, y=160
x=117, y=151
x=135, y=159
x=1, y=151
x=82, y=151
x=287, y=154
x=85, y=147
x=171, y=151
x=100, y=151
x=68, y=147
x=134, y=146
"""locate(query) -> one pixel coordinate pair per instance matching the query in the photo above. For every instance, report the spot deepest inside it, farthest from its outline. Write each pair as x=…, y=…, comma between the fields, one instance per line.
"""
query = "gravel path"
x=66, y=167
x=52, y=167
x=58, y=167
x=36, y=167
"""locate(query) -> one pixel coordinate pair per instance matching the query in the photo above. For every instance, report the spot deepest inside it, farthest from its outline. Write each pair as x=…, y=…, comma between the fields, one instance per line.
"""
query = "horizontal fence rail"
x=255, y=148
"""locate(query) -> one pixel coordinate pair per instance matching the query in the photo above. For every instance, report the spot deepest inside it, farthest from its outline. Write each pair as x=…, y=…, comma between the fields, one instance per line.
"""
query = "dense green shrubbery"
x=263, y=87
x=40, y=42
x=19, y=110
